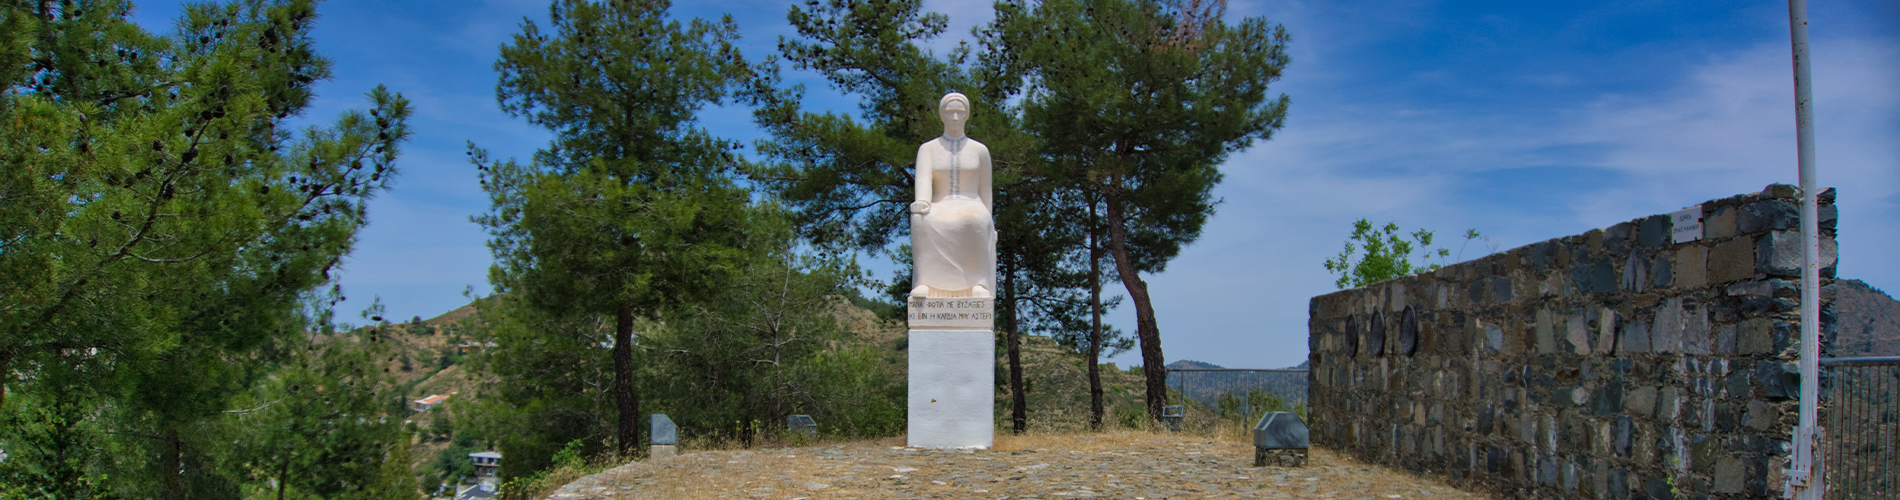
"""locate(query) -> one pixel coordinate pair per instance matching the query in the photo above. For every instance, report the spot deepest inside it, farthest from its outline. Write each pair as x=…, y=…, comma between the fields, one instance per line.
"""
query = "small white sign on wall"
x=1688, y=224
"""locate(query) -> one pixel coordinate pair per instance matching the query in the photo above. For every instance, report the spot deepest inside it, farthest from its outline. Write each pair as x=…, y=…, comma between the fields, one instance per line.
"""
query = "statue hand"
x=920, y=207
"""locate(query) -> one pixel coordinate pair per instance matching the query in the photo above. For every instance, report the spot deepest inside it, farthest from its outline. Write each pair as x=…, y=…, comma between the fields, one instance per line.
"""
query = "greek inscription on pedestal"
x=951, y=313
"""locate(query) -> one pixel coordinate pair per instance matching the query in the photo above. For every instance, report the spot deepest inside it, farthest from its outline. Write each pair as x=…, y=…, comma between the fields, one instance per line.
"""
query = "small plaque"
x=1688, y=224
x=663, y=431
x=952, y=313
x=803, y=425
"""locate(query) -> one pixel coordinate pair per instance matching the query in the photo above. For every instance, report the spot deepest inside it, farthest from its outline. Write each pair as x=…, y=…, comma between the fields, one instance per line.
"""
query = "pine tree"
x=172, y=232
x=631, y=209
x=1144, y=99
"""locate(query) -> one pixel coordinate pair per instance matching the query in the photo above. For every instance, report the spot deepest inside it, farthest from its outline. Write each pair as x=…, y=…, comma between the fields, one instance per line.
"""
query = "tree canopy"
x=166, y=237
x=1141, y=102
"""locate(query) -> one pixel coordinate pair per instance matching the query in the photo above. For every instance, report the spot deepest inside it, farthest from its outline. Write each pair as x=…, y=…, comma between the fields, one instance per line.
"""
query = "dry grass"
x=862, y=469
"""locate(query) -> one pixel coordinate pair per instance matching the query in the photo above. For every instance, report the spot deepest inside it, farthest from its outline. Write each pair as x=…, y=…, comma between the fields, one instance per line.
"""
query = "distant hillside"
x=1208, y=387
x=1056, y=383
x=1866, y=320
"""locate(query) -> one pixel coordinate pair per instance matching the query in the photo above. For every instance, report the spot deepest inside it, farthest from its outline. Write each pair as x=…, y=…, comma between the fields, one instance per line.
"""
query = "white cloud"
x=1724, y=127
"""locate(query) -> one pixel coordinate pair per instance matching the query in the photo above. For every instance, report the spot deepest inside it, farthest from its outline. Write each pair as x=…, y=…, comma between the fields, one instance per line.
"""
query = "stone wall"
x=1619, y=363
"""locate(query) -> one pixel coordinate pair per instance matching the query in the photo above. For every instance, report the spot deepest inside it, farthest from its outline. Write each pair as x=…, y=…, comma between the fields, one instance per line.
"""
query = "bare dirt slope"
x=1125, y=464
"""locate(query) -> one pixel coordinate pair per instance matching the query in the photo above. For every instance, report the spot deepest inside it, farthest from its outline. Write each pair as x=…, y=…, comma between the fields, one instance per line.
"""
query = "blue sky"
x=1524, y=120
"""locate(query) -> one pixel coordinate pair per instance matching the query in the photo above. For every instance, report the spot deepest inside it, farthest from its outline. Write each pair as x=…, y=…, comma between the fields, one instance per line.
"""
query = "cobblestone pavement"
x=1127, y=465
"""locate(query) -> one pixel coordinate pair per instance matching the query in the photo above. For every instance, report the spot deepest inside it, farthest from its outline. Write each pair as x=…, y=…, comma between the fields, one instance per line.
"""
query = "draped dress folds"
x=954, y=246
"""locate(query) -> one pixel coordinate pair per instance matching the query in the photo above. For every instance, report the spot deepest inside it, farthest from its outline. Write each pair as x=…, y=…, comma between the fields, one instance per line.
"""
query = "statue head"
x=954, y=108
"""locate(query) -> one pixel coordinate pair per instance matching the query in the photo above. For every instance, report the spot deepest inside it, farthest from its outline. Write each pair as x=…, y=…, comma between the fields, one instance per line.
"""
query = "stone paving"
x=1124, y=465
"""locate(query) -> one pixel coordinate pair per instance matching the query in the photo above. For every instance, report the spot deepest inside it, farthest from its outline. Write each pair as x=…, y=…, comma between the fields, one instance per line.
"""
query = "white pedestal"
x=952, y=384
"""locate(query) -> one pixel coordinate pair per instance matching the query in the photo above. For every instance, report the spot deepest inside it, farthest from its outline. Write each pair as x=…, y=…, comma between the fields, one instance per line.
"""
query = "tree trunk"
x=283, y=477
x=627, y=435
x=6, y=373
x=174, y=465
x=1095, y=324
x=1153, y=366
x=1018, y=402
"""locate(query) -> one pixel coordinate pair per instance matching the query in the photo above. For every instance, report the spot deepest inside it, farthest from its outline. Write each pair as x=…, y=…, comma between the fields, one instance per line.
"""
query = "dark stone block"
x=1619, y=484
x=1634, y=337
x=1475, y=291
x=1830, y=216
x=1580, y=277
x=1778, y=381
x=1778, y=254
x=1754, y=306
x=1660, y=274
x=1602, y=276
x=1624, y=427
x=1546, y=472
x=1732, y=260
x=1654, y=232
x=1500, y=289
x=1617, y=233
x=1543, y=381
x=1493, y=459
x=1702, y=454
x=1542, y=254
x=1658, y=488
x=1785, y=336
x=1485, y=416
x=1737, y=384
x=1768, y=215
x=1728, y=417
x=1757, y=482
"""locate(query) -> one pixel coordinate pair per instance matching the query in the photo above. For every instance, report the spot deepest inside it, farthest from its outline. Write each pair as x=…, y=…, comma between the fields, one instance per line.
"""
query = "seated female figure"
x=953, y=237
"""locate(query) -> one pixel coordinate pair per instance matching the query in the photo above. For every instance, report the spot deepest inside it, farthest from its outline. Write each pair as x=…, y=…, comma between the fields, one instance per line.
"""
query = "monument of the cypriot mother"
x=953, y=247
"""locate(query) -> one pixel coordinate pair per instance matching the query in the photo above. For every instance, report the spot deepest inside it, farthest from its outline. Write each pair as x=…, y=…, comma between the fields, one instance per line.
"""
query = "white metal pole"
x=1806, y=482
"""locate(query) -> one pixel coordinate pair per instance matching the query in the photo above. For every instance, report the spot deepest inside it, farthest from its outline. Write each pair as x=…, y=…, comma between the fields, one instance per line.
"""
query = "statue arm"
x=921, y=202
x=983, y=179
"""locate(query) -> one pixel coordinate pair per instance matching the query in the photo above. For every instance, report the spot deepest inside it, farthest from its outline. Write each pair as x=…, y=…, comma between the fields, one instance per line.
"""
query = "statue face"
x=955, y=112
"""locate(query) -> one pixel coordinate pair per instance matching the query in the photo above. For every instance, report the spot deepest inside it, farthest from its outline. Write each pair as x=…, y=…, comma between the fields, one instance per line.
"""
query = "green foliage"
x=1132, y=416
x=568, y=464
x=629, y=261
x=165, y=233
x=551, y=374
x=1383, y=254
x=847, y=179
x=452, y=465
x=768, y=346
x=1139, y=102
x=631, y=209
x=1247, y=408
x=319, y=427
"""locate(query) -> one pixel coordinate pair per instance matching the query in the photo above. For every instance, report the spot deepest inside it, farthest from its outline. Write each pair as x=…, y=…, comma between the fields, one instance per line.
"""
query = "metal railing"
x=1861, y=448
x=1239, y=391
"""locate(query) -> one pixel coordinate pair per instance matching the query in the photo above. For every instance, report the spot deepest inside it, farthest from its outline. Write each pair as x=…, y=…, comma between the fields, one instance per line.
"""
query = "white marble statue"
x=952, y=236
